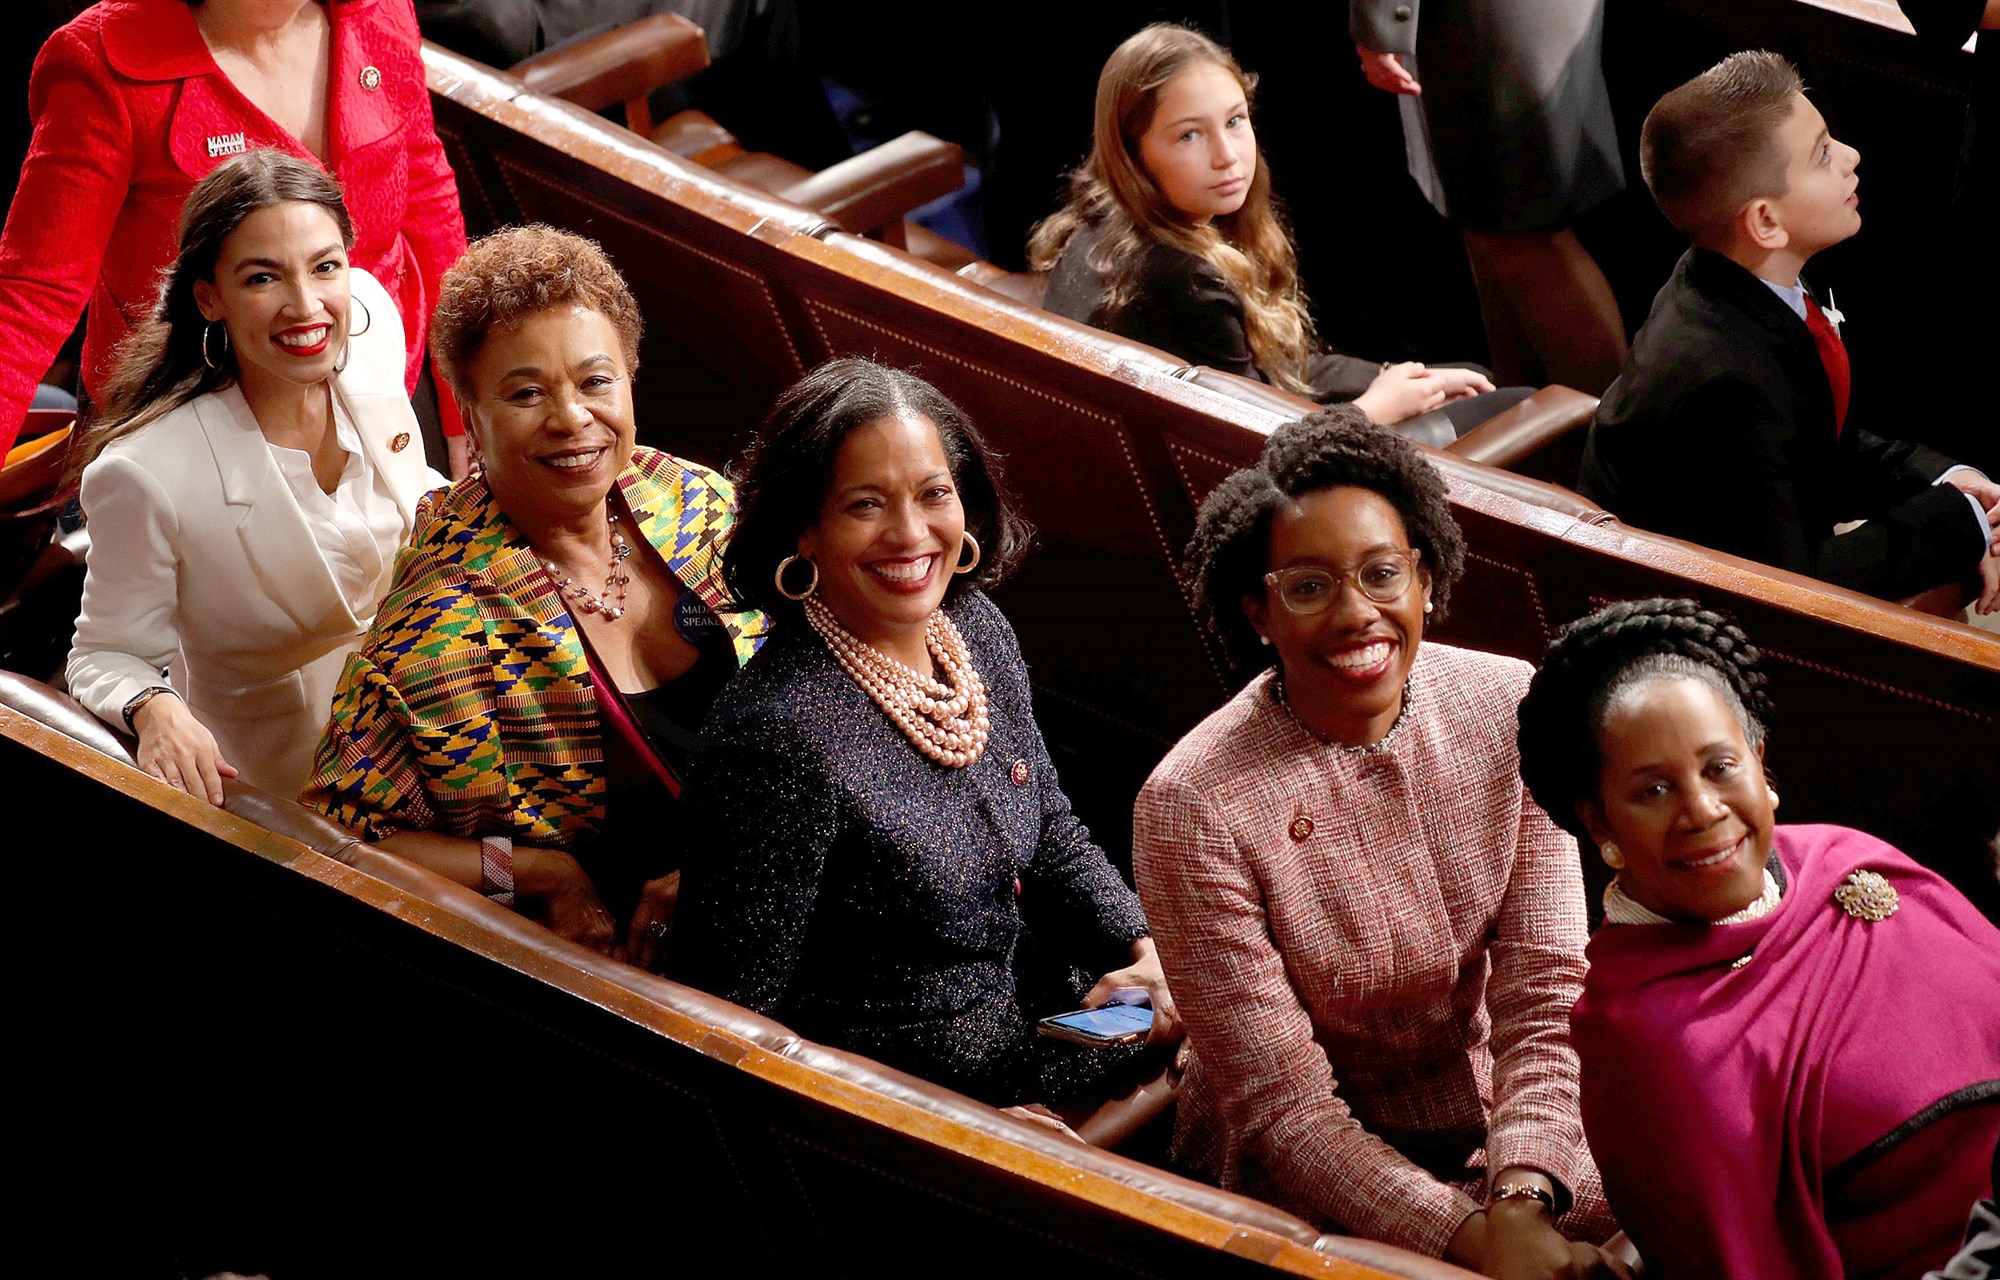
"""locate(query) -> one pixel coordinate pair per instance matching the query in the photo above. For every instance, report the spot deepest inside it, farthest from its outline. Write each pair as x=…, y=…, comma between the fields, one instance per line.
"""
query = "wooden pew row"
x=314, y=1059
x=1888, y=718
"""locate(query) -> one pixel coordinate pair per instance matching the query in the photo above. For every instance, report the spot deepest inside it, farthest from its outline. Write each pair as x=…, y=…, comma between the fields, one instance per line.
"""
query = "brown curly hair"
x=517, y=272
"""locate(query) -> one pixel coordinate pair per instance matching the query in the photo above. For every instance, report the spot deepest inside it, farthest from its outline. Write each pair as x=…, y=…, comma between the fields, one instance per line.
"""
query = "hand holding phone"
x=1110, y=1024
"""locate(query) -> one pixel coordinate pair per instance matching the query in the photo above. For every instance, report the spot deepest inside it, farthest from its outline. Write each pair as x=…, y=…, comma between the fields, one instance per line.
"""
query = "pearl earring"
x=1612, y=857
x=1773, y=793
x=1263, y=639
x=1428, y=606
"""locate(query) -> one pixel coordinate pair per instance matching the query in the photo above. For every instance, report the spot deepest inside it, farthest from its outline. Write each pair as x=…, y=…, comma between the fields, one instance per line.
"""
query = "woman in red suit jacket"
x=131, y=109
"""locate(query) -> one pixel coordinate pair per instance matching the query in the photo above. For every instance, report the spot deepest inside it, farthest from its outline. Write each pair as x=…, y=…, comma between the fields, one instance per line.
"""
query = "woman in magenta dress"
x=1790, y=1035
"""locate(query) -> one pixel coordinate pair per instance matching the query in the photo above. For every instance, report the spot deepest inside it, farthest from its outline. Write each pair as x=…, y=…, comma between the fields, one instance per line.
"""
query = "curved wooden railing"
x=303, y=1047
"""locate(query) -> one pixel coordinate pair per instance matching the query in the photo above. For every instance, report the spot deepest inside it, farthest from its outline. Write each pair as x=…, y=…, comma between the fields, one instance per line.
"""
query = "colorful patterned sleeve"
x=364, y=775
x=412, y=727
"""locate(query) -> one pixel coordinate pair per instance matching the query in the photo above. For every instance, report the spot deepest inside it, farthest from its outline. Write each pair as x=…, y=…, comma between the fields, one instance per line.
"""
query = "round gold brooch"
x=1865, y=895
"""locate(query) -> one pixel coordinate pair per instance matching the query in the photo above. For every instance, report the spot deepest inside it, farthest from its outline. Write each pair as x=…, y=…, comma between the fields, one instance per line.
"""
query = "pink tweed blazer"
x=1402, y=961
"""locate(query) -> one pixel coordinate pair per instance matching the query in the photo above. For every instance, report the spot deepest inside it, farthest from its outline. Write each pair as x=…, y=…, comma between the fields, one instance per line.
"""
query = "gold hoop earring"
x=779, y=578
x=370, y=322
x=206, y=358
x=977, y=555
x=1613, y=857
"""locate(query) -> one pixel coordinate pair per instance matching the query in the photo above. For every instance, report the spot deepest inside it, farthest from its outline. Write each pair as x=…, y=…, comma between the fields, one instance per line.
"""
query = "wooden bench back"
x=311, y=1058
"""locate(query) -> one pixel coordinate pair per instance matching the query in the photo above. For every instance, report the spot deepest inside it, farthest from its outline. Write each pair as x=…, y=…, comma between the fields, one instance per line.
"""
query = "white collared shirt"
x=358, y=526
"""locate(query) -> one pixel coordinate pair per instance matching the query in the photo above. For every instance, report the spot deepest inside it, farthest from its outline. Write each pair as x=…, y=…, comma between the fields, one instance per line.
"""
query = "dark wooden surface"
x=285, y=1064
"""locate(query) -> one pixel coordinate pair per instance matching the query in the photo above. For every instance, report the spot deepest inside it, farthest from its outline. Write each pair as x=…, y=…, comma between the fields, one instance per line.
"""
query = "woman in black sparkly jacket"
x=893, y=868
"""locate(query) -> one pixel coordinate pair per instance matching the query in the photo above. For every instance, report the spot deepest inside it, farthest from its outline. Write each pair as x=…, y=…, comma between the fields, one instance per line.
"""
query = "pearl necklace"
x=945, y=721
x=1619, y=909
x=615, y=580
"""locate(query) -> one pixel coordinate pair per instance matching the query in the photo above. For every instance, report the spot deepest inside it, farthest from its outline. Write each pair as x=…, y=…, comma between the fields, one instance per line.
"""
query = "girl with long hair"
x=1172, y=237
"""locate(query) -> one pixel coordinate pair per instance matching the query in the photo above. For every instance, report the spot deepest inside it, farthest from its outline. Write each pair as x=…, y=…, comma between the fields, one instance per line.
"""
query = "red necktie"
x=1832, y=354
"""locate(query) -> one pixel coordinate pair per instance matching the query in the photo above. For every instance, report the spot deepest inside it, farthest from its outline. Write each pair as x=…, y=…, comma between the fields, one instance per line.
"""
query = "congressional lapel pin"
x=1302, y=826
x=371, y=79
x=1020, y=773
x=400, y=443
x=226, y=144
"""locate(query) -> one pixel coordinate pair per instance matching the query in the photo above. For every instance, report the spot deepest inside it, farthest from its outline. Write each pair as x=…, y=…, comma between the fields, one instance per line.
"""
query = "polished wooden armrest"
x=1509, y=438
x=1947, y=600
x=33, y=471
x=621, y=66
x=869, y=192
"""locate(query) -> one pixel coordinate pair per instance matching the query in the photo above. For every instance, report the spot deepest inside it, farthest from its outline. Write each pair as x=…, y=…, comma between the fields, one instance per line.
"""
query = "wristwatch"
x=140, y=699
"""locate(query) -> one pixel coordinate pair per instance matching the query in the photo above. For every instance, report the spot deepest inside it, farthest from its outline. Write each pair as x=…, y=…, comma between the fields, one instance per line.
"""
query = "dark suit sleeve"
x=1187, y=310
x=1911, y=542
x=1882, y=471
x=765, y=814
x=1386, y=26
x=1944, y=25
x=1337, y=378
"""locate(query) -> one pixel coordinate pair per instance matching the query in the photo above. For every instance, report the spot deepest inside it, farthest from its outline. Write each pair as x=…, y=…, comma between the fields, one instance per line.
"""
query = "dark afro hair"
x=782, y=476
x=1230, y=552
x=1594, y=659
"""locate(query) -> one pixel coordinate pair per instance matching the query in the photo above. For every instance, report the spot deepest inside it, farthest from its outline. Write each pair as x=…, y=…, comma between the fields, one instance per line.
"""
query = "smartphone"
x=1112, y=1024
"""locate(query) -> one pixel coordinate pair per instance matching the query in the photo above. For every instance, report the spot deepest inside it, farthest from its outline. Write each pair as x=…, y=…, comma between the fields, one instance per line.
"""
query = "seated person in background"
x=1170, y=238
x=1374, y=934
x=888, y=864
x=1789, y=1036
x=1728, y=426
x=519, y=717
x=247, y=485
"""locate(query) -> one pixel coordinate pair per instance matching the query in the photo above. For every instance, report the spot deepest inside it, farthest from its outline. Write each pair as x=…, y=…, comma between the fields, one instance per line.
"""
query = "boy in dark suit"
x=1728, y=424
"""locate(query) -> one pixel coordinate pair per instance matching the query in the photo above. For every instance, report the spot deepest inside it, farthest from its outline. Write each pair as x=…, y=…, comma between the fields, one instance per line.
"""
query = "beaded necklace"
x=945, y=721
x=1365, y=749
x=616, y=579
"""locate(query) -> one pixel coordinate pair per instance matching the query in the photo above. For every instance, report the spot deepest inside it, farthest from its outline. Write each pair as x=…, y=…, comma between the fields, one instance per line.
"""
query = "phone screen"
x=1110, y=1022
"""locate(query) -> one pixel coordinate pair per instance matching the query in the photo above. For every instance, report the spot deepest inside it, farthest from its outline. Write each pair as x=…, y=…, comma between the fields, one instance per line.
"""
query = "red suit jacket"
x=130, y=111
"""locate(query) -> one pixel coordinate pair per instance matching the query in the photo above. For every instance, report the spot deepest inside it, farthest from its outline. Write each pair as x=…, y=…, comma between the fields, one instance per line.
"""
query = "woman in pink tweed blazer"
x=1374, y=935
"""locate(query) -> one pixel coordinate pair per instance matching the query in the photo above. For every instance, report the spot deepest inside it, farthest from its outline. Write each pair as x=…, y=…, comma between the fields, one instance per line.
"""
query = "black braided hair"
x=1594, y=659
x=1230, y=552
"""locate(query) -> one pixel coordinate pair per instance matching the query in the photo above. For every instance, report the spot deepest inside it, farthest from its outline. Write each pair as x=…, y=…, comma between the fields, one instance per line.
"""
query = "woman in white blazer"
x=256, y=467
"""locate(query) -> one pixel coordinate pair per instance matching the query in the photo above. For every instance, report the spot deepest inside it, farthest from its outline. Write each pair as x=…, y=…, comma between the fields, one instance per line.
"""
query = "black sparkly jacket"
x=876, y=901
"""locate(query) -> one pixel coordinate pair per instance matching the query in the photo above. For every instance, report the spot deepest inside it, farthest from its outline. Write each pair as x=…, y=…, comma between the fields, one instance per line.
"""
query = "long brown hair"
x=161, y=365
x=1112, y=191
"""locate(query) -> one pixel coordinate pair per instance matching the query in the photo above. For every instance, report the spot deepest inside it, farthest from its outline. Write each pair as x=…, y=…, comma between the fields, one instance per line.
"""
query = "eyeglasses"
x=1310, y=589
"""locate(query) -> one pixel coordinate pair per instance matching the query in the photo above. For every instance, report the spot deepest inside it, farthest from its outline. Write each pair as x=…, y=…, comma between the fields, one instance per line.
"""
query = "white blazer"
x=201, y=563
